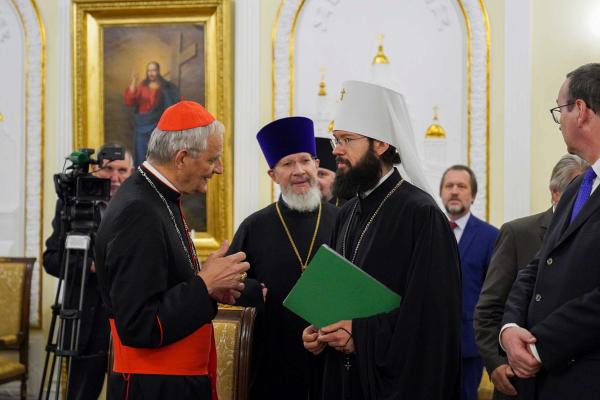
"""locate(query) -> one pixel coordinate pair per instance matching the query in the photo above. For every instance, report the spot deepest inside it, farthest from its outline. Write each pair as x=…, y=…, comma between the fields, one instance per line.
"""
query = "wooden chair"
x=233, y=337
x=15, y=293
x=486, y=387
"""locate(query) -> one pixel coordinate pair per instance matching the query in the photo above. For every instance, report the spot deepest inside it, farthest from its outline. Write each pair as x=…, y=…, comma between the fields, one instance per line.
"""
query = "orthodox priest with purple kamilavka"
x=279, y=241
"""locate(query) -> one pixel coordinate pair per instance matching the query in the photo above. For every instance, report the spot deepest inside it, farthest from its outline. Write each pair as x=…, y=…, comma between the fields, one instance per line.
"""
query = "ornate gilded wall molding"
x=35, y=70
x=283, y=57
x=479, y=99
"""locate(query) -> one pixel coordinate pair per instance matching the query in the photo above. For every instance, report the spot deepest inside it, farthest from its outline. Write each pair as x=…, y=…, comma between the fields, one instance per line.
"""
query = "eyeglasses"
x=556, y=112
x=345, y=141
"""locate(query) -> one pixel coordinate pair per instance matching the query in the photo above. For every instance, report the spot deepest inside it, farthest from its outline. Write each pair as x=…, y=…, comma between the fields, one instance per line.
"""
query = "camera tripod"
x=63, y=336
x=81, y=195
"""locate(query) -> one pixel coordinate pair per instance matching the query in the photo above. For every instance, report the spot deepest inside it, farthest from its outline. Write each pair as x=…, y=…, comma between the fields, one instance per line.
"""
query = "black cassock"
x=150, y=289
x=281, y=368
x=412, y=352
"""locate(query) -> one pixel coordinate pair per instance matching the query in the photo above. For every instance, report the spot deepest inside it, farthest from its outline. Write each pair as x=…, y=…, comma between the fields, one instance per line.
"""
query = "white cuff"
x=532, y=347
x=505, y=327
x=535, y=353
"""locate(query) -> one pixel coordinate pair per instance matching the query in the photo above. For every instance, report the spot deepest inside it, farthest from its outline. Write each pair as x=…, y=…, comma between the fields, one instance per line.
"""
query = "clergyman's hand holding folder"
x=333, y=289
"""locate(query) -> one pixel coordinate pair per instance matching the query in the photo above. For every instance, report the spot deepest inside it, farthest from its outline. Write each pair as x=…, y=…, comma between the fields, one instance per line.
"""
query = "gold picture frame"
x=93, y=18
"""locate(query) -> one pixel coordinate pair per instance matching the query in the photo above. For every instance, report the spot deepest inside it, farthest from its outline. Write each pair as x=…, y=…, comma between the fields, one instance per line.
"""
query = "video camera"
x=81, y=192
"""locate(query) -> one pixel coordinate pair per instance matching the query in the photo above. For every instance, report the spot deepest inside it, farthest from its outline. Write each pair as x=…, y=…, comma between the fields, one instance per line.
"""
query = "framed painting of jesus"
x=133, y=59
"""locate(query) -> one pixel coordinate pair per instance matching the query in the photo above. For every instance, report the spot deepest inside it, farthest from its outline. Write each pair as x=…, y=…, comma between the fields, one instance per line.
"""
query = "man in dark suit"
x=476, y=239
x=517, y=244
x=551, y=323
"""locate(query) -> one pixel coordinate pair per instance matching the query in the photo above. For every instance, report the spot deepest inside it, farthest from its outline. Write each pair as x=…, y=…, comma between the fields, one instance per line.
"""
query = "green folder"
x=333, y=289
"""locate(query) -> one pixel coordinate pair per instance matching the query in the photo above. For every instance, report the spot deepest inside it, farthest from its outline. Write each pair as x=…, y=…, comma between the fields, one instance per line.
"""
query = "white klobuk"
x=380, y=113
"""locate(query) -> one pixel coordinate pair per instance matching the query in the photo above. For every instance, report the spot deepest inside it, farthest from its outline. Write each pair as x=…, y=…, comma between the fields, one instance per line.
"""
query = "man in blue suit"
x=476, y=240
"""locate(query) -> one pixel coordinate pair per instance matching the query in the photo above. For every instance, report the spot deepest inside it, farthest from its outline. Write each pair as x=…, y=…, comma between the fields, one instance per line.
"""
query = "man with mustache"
x=279, y=241
x=475, y=238
x=89, y=368
x=393, y=230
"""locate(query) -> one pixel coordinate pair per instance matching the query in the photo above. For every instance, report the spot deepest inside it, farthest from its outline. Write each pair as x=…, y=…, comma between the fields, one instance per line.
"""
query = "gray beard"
x=455, y=210
x=304, y=202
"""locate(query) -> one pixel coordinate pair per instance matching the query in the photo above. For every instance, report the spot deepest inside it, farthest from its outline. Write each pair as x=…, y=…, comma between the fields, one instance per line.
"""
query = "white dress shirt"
x=461, y=225
x=160, y=176
x=596, y=168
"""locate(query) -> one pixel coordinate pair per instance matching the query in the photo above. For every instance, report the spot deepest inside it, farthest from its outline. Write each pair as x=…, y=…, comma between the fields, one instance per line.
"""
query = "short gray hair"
x=584, y=84
x=163, y=145
x=563, y=171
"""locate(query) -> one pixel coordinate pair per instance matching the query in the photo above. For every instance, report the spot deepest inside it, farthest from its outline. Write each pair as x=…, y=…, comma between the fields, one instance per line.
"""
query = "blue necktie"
x=584, y=192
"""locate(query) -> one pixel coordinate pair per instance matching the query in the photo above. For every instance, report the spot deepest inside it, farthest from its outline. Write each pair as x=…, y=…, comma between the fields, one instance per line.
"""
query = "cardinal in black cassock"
x=160, y=303
x=394, y=231
x=279, y=241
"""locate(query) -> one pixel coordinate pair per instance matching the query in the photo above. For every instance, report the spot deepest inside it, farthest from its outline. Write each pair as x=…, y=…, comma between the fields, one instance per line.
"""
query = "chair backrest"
x=15, y=293
x=486, y=387
x=233, y=337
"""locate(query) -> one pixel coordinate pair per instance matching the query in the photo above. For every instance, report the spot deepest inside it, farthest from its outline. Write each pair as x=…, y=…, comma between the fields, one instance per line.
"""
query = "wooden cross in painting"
x=181, y=56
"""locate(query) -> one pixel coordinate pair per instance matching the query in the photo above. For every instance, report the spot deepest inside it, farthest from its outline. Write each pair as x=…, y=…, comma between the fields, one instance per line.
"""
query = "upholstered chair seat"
x=15, y=292
x=10, y=369
x=486, y=387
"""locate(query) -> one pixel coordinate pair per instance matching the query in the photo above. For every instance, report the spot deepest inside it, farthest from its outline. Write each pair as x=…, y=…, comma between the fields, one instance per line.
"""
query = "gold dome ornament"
x=435, y=130
x=380, y=57
x=322, y=115
x=322, y=91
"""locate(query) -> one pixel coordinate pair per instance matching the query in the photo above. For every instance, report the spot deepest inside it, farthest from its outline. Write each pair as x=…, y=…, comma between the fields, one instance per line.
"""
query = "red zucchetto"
x=184, y=115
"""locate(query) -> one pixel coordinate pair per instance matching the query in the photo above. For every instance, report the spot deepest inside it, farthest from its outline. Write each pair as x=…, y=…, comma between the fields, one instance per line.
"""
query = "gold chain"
x=289, y=235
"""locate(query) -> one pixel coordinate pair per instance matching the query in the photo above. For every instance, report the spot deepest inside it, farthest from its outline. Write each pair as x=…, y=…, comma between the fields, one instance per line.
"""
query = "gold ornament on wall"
x=435, y=130
x=380, y=57
x=322, y=91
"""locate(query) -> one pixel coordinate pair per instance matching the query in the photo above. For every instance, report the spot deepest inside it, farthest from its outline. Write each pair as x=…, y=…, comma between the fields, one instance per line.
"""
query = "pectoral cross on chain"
x=347, y=364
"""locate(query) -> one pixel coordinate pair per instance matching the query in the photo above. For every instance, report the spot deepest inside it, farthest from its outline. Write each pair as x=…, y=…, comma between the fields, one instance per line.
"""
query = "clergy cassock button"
x=549, y=261
x=538, y=297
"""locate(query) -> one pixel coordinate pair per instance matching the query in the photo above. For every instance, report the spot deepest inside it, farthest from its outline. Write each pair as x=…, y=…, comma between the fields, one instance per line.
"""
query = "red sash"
x=193, y=355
